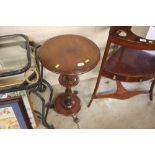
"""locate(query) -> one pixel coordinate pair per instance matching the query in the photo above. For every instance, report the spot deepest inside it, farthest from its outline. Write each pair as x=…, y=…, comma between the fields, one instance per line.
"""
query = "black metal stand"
x=41, y=88
x=35, y=88
x=45, y=105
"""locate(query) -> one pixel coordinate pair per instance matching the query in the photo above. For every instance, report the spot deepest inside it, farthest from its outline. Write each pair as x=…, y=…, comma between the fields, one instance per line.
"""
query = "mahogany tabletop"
x=69, y=54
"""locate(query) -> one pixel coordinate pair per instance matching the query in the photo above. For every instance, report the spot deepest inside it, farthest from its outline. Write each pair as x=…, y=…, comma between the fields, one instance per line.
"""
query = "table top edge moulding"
x=74, y=45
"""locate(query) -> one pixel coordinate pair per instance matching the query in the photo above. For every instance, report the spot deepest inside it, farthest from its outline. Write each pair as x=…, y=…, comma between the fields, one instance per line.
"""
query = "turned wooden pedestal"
x=69, y=55
x=68, y=103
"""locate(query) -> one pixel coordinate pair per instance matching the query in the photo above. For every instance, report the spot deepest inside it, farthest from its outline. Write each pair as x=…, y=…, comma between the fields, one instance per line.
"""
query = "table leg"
x=68, y=103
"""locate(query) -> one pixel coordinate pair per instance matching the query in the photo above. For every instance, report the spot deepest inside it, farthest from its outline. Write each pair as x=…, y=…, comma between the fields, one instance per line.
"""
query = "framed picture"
x=13, y=114
x=27, y=103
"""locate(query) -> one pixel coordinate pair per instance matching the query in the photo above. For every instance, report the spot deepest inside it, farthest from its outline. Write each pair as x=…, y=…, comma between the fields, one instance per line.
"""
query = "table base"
x=60, y=108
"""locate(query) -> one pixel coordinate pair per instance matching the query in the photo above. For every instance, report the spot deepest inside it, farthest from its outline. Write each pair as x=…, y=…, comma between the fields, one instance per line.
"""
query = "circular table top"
x=69, y=54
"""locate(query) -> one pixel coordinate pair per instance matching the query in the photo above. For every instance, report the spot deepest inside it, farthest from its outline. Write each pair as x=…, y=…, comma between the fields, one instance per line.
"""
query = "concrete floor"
x=136, y=112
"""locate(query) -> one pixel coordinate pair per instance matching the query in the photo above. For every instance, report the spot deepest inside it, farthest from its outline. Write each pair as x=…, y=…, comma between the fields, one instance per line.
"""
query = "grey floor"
x=136, y=112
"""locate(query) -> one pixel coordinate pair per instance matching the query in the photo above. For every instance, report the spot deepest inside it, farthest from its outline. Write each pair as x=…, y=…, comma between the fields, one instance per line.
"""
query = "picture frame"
x=13, y=114
x=27, y=103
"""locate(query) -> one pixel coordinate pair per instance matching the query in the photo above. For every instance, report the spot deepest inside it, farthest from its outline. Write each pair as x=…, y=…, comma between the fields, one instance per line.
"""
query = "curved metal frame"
x=27, y=66
x=39, y=86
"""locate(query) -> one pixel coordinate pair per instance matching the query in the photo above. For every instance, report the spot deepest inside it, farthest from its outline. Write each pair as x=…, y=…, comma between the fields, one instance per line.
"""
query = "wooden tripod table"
x=69, y=55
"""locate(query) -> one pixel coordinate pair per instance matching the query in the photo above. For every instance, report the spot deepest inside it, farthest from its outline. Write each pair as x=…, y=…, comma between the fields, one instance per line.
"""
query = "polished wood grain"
x=131, y=62
x=69, y=56
x=68, y=51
